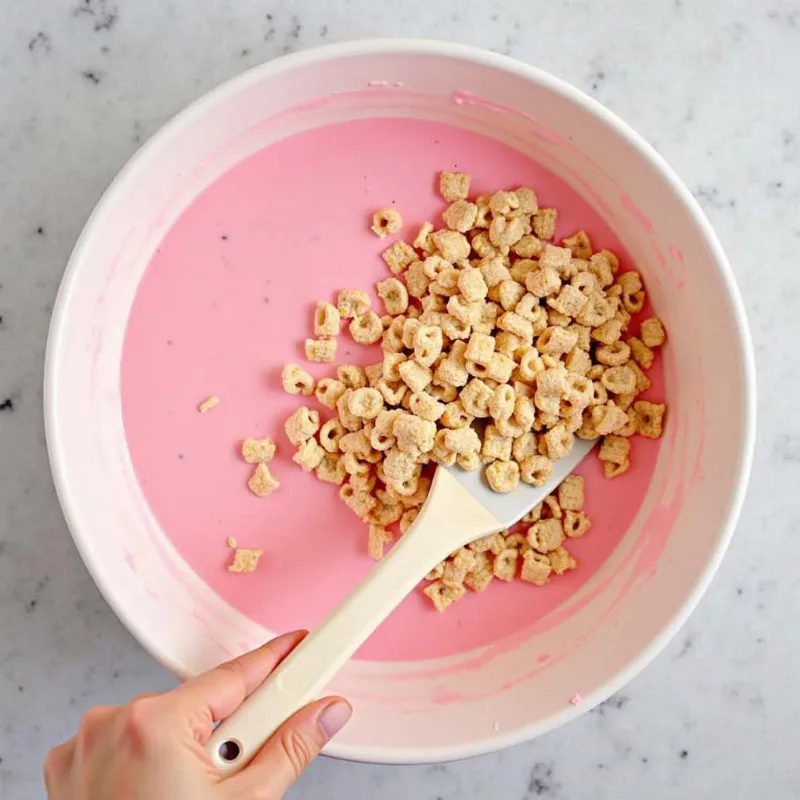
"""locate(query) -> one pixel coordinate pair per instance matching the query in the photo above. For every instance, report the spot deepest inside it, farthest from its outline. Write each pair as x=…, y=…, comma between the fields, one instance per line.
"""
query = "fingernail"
x=334, y=717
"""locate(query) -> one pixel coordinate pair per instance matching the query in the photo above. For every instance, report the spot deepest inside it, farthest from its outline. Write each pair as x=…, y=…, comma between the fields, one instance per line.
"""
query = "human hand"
x=153, y=748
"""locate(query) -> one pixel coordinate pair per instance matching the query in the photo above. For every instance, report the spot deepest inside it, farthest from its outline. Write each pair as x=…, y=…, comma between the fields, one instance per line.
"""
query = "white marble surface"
x=713, y=84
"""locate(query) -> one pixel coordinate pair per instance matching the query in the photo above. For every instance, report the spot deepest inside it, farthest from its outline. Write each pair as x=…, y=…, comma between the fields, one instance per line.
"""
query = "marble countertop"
x=714, y=85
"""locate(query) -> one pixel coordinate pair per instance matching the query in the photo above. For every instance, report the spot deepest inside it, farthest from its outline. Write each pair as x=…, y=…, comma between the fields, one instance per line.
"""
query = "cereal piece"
x=650, y=418
x=576, y=524
x=426, y=406
x=245, y=559
x=481, y=574
x=399, y=257
x=394, y=295
x=642, y=381
x=615, y=450
x=502, y=403
x=356, y=442
x=331, y=469
x=467, y=313
x=611, y=470
x=408, y=519
x=505, y=232
x=561, y=561
x=309, y=455
x=608, y=418
x=386, y=222
x=452, y=245
x=427, y=345
x=633, y=296
x=379, y=537
x=517, y=542
x=528, y=247
x=321, y=351
x=469, y=463
x=502, y=203
x=208, y=404
x=571, y=493
x=596, y=311
x=494, y=542
x=544, y=223
x=580, y=244
x=258, y=451
x=536, y=568
x=460, y=216
x=494, y=271
x=546, y=535
x=422, y=240
x=640, y=353
x=551, y=508
x=569, y=301
x=555, y=341
x=557, y=442
x=519, y=326
x=472, y=285
x=414, y=375
x=443, y=596
x=295, y=380
x=457, y=567
x=455, y=416
x=327, y=320
x=480, y=348
x=302, y=425
x=653, y=333
x=526, y=197
x=463, y=441
x=475, y=397
x=329, y=390
x=609, y=332
x=366, y=328
x=393, y=391
x=613, y=355
x=416, y=280
x=262, y=483
x=503, y=476
x=524, y=447
x=619, y=380
x=542, y=282
x=366, y=403
x=495, y=445
x=330, y=435
x=352, y=303
x=414, y=435
x=505, y=565
x=454, y=186
x=508, y=294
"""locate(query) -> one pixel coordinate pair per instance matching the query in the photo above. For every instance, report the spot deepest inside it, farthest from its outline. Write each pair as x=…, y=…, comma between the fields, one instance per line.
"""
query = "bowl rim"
x=743, y=344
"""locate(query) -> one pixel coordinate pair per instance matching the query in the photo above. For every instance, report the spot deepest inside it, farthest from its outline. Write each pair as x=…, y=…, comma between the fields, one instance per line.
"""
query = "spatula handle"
x=450, y=518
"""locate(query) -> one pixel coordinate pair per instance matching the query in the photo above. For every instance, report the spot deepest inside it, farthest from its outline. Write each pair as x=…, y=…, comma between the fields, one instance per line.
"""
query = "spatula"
x=460, y=508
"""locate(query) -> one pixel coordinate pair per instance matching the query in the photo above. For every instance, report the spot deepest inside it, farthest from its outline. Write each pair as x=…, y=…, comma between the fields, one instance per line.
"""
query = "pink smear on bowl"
x=228, y=299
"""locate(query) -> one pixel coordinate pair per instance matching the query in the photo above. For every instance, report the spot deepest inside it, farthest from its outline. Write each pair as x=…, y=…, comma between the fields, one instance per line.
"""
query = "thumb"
x=291, y=749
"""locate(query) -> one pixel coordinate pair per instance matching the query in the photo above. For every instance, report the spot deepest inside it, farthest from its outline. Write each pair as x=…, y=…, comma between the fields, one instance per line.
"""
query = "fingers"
x=290, y=750
x=215, y=695
x=57, y=765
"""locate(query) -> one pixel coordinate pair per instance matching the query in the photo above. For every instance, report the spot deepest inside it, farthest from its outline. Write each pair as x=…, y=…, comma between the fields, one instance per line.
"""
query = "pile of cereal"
x=499, y=347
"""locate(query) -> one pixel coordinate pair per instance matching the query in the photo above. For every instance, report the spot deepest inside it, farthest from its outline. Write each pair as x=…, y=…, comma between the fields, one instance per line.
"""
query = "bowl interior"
x=519, y=686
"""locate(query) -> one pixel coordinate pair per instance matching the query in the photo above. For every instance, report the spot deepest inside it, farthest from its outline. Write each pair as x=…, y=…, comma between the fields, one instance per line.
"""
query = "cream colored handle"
x=450, y=518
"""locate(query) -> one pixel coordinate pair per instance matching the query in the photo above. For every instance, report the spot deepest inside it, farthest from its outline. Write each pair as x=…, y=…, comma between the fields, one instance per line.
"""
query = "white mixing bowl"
x=516, y=689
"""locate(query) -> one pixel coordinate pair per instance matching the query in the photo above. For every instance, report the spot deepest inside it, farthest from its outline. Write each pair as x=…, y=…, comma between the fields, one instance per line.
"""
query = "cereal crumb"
x=208, y=404
x=576, y=699
x=386, y=222
x=245, y=560
x=262, y=482
x=231, y=542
